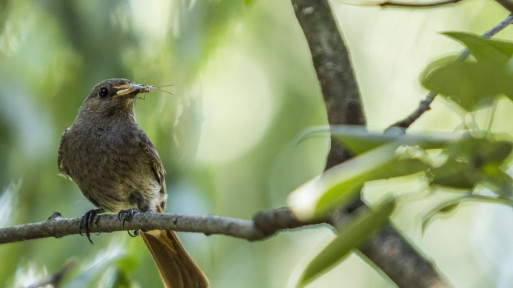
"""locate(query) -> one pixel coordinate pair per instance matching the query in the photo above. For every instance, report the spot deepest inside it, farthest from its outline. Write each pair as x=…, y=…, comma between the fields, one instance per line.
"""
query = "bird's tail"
x=175, y=266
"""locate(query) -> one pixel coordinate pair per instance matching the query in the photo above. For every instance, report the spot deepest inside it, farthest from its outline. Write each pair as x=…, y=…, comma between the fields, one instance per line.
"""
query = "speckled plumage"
x=110, y=157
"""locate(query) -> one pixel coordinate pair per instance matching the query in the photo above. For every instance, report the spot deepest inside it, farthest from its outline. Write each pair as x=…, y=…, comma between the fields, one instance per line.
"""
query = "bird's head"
x=114, y=97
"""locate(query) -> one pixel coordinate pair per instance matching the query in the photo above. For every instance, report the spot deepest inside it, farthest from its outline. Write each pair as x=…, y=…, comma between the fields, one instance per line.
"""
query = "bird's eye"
x=103, y=92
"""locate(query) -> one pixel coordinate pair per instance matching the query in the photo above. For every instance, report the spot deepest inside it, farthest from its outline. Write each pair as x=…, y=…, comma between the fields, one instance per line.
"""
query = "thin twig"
x=417, y=5
x=425, y=104
x=55, y=279
x=56, y=226
x=402, y=261
x=402, y=4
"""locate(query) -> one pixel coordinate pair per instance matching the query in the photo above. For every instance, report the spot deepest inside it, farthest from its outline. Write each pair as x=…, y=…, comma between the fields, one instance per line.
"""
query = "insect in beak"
x=132, y=88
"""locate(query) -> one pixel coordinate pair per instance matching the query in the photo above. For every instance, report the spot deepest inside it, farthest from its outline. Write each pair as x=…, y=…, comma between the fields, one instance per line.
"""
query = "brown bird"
x=117, y=168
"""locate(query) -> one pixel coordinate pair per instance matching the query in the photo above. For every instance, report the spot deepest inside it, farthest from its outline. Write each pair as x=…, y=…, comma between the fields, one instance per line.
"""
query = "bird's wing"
x=60, y=163
x=155, y=162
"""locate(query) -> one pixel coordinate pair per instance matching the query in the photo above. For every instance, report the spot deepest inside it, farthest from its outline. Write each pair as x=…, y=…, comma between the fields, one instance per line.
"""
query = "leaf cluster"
x=471, y=162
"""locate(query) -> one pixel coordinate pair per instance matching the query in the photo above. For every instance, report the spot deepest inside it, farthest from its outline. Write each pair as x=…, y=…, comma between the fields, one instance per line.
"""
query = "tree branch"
x=506, y=4
x=417, y=5
x=403, y=4
x=425, y=104
x=334, y=69
x=401, y=261
x=388, y=250
x=56, y=226
x=55, y=279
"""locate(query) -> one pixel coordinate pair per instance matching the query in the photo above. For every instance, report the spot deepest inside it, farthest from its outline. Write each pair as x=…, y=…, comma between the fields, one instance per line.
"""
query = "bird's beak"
x=132, y=88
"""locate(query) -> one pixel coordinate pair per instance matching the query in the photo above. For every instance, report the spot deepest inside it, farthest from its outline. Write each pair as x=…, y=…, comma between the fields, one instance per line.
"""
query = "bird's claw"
x=135, y=234
x=87, y=220
x=127, y=216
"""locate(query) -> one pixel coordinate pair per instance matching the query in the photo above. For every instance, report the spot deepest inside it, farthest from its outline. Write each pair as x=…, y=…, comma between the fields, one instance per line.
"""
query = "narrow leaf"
x=484, y=49
x=360, y=140
x=451, y=205
x=350, y=236
x=340, y=185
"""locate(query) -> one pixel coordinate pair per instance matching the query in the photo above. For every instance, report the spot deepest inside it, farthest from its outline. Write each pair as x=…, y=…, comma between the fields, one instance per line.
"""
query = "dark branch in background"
x=332, y=64
x=401, y=261
x=55, y=226
x=387, y=249
x=334, y=70
x=425, y=104
x=414, y=4
x=506, y=4
x=55, y=279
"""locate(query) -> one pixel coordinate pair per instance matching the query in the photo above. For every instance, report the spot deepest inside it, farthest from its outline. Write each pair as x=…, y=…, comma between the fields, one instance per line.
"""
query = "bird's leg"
x=87, y=220
x=128, y=215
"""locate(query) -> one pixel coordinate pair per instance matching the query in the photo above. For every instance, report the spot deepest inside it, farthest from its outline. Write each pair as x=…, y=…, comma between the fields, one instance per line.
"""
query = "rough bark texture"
x=334, y=70
x=401, y=261
x=265, y=224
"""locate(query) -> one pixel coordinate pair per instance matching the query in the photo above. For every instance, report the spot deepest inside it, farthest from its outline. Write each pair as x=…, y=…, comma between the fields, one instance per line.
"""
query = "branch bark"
x=275, y=220
x=388, y=249
x=416, y=4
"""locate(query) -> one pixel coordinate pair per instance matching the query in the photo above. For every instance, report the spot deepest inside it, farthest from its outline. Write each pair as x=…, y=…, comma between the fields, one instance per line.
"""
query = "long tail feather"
x=175, y=266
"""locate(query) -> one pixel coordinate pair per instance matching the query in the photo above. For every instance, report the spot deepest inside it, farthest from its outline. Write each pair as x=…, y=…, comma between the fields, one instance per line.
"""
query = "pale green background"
x=243, y=88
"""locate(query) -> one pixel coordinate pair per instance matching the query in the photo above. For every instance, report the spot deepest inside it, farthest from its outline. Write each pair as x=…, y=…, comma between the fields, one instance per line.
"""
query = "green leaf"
x=360, y=140
x=499, y=181
x=479, y=149
x=465, y=162
x=472, y=161
x=484, y=49
x=339, y=185
x=451, y=205
x=470, y=83
x=345, y=191
x=350, y=236
x=445, y=207
x=496, y=151
x=453, y=174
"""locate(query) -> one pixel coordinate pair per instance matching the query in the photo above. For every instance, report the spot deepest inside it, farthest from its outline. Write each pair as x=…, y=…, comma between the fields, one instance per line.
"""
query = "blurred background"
x=243, y=87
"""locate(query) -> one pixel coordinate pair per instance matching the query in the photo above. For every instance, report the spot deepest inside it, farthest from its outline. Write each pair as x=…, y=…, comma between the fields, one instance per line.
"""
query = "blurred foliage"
x=474, y=81
x=243, y=87
x=468, y=162
x=459, y=162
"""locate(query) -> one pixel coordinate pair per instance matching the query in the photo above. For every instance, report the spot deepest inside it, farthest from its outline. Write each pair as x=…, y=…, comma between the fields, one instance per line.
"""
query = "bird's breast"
x=109, y=166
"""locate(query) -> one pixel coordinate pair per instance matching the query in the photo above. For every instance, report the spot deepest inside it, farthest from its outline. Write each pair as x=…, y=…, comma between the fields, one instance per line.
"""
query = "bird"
x=118, y=170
